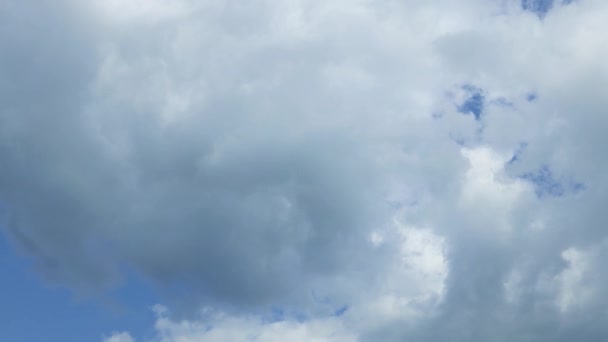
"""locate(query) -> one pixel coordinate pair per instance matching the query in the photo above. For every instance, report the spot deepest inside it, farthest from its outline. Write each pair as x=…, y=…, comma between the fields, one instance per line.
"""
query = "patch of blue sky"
x=531, y=97
x=547, y=185
x=57, y=314
x=541, y=7
x=341, y=311
x=577, y=186
x=518, y=153
x=474, y=103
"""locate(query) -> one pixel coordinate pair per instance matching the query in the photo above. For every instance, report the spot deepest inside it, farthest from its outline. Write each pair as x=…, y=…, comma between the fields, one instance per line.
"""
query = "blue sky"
x=192, y=171
x=34, y=310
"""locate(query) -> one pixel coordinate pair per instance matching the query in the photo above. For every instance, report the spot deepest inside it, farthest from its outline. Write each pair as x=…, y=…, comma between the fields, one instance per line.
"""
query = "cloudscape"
x=304, y=170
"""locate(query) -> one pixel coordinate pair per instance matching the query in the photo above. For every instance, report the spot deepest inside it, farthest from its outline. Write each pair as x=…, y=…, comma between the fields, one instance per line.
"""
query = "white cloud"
x=119, y=337
x=572, y=291
x=220, y=327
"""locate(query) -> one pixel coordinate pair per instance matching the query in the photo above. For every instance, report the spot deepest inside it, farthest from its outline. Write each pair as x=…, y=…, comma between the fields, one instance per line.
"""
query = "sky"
x=303, y=170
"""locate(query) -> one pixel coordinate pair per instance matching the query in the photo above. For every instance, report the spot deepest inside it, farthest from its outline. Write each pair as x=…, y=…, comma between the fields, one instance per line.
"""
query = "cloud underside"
x=301, y=170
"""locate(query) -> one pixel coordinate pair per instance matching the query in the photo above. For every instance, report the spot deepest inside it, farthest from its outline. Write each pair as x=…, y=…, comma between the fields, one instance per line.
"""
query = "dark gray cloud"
x=244, y=198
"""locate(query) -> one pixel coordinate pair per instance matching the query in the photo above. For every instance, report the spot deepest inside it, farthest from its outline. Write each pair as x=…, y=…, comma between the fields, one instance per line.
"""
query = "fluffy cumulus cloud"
x=309, y=170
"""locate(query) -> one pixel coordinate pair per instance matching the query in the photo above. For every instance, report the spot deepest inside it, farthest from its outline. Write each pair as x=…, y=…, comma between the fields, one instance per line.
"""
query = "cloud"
x=314, y=157
x=198, y=174
x=219, y=327
x=119, y=337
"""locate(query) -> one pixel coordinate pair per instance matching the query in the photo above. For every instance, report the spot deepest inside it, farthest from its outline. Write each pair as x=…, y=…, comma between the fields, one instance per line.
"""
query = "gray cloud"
x=314, y=156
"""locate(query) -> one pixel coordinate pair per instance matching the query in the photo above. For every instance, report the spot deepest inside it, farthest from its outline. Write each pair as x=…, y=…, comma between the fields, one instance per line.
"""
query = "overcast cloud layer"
x=306, y=170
